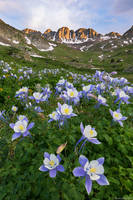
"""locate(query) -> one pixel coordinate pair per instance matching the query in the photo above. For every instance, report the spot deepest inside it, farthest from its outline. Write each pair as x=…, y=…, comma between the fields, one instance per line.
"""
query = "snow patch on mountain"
x=28, y=40
x=3, y=44
x=51, y=44
x=37, y=56
x=82, y=48
x=15, y=42
x=51, y=48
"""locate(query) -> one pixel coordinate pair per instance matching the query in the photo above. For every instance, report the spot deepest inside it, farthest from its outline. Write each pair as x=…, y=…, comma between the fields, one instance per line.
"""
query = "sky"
x=103, y=16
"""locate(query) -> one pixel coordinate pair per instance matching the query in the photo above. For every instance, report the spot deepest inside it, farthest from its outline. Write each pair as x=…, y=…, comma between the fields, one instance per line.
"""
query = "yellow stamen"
x=71, y=94
x=91, y=132
x=21, y=127
x=93, y=170
x=51, y=163
x=53, y=114
x=66, y=110
x=116, y=115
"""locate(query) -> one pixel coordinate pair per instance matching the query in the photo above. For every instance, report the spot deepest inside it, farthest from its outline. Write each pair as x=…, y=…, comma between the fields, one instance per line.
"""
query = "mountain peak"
x=67, y=35
x=113, y=34
x=27, y=31
x=47, y=31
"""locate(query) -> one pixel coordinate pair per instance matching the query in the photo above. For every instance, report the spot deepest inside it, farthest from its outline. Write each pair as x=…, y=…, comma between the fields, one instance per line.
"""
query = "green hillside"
x=119, y=60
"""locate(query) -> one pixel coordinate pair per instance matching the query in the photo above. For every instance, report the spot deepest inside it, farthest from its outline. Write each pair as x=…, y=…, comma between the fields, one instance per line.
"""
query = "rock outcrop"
x=84, y=34
x=12, y=36
x=38, y=40
x=66, y=35
x=27, y=31
x=129, y=33
x=9, y=34
x=113, y=35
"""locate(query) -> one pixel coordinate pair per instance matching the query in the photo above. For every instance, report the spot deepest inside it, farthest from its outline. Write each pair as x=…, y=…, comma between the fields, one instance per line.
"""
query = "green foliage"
x=20, y=160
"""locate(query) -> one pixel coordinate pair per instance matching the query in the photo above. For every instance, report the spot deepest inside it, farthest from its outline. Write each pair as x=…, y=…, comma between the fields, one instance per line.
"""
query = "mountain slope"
x=129, y=33
x=14, y=37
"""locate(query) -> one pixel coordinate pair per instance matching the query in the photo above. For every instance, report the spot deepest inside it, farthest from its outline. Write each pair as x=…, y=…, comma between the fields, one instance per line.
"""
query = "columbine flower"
x=38, y=109
x=117, y=116
x=23, y=90
x=71, y=95
x=14, y=108
x=61, y=82
x=51, y=164
x=21, y=127
x=122, y=96
x=22, y=94
x=89, y=134
x=54, y=116
x=37, y=96
x=102, y=100
x=65, y=109
x=91, y=171
x=22, y=117
x=87, y=90
x=62, y=113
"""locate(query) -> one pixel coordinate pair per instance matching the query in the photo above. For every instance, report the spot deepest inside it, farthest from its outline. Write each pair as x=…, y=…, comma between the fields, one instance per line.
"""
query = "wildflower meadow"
x=65, y=134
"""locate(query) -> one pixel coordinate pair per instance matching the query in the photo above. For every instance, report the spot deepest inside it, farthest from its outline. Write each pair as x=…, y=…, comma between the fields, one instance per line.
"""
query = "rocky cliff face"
x=10, y=34
x=38, y=41
x=84, y=34
x=66, y=35
x=63, y=34
x=49, y=34
x=113, y=35
x=129, y=33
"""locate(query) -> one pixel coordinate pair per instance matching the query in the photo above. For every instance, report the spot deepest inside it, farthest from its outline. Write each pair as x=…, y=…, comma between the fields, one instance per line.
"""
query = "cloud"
x=123, y=6
x=54, y=14
x=43, y=14
x=101, y=15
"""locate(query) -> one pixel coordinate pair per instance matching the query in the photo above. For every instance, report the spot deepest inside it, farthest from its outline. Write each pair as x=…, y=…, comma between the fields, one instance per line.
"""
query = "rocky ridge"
x=66, y=35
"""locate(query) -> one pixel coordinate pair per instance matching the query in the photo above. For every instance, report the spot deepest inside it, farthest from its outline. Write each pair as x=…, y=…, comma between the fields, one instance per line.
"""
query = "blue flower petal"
x=60, y=168
x=30, y=125
x=15, y=136
x=82, y=127
x=94, y=140
x=88, y=184
x=102, y=180
x=59, y=158
x=26, y=133
x=12, y=125
x=78, y=171
x=52, y=173
x=43, y=169
x=46, y=155
x=101, y=160
x=82, y=160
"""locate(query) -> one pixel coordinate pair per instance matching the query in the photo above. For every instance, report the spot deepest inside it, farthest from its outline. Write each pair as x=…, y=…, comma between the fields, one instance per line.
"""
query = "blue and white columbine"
x=14, y=108
x=102, y=100
x=51, y=164
x=21, y=127
x=89, y=134
x=91, y=171
x=37, y=96
x=62, y=113
x=117, y=116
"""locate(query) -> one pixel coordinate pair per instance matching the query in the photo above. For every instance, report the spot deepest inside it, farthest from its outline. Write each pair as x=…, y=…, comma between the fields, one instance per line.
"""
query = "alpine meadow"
x=66, y=112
